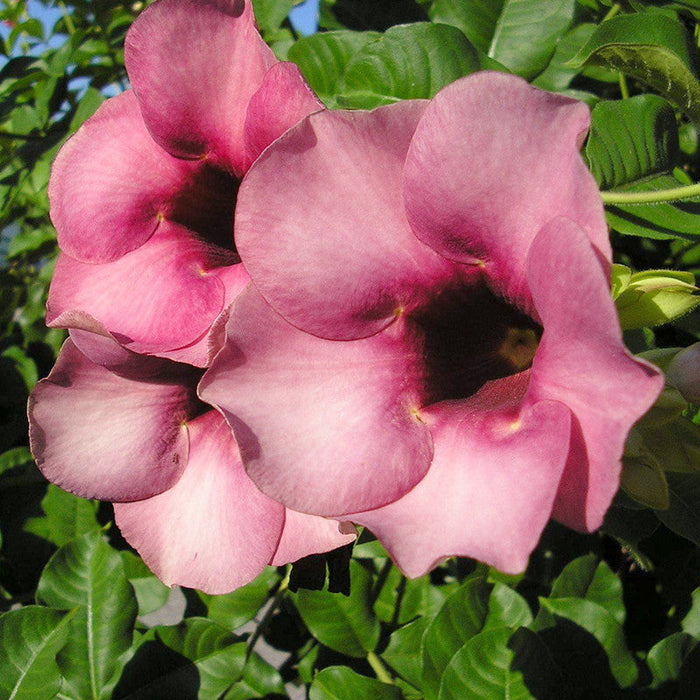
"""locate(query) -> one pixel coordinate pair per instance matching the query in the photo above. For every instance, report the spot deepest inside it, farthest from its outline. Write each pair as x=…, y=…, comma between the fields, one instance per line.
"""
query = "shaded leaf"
x=683, y=514
x=260, y=680
x=403, y=652
x=666, y=657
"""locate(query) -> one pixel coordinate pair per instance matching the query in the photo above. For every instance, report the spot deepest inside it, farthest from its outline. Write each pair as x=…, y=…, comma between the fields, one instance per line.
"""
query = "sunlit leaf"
x=88, y=574
x=30, y=638
x=342, y=683
x=346, y=624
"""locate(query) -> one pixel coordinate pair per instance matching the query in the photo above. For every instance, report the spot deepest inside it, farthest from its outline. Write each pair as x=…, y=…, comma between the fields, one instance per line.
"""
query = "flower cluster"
x=413, y=331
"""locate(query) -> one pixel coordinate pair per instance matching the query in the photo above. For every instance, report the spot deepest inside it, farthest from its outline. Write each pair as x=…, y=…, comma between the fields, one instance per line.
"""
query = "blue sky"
x=304, y=17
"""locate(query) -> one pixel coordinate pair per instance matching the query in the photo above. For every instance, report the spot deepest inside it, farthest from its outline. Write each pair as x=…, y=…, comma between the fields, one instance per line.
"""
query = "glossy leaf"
x=342, y=683
x=322, y=58
x=401, y=600
x=604, y=627
x=650, y=47
x=65, y=517
x=666, y=657
x=217, y=654
x=499, y=664
x=345, y=624
x=30, y=638
x=88, y=574
x=408, y=62
x=151, y=594
x=238, y=607
x=260, y=680
x=520, y=34
x=461, y=617
x=403, y=652
x=631, y=139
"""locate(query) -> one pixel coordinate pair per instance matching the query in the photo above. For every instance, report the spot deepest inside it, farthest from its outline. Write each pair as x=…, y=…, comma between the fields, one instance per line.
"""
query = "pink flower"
x=440, y=359
x=110, y=424
x=142, y=196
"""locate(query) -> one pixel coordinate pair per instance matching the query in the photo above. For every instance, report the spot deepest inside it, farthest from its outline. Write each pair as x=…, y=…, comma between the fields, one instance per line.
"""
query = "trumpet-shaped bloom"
x=110, y=424
x=431, y=348
x=142, y=196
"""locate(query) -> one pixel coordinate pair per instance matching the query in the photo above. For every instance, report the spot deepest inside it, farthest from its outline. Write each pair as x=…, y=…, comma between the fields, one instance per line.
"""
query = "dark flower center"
x=471, y=336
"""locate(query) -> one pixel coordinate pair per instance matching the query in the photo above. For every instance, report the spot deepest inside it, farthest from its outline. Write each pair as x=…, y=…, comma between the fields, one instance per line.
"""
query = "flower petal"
x=111, y=185
x=194, y=65
x=283, y=99
x=582, y=362
x=520, y=146
x=489, y=491
x=101, y=435
x=325, y=427
x=163, y=296
x=310, y=534
x=213, y=530
x=357, y=243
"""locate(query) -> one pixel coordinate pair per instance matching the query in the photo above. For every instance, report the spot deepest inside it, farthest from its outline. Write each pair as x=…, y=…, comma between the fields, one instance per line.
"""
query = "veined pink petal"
x=163, y=296
x=582, y=362
x=213, y=530
x=202, y=351
x=488, y=493
x=111, y=185
x=324, y=427
x=101, y=435
x=492, y=160
x=282, y=100
x=310, y=534
x=194, y=65
x=320, y=224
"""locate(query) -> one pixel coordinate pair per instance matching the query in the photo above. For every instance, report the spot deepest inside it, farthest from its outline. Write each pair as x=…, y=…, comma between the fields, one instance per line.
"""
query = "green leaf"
x=507, y=608
x=401, y=600
x=501, y=664
x=65, y=517
x=151, y=594
x=650, y=47
x=660, y=220
x=631, y=139
x=345, y=624
x=604, y=627
x=217, y=654
x=403, y=652
x=88, y=573
x=342, y=683
x=235, y=609
x=16, y=457
x=558, y=74
x=408, y=62
x=474, y=18
x=520, y=34
x=87, y=106
x=30, y=638
x=269, y=14
x=322, y=58
x=260, y=680
x=24, y=365
x=666, y=657
x=683, y=514
x=461, y=617
x=591, y=580
x=691, y=622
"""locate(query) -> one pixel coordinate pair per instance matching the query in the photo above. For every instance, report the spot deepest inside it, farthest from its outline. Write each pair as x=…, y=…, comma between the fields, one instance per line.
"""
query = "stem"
x=284, y=584
x=624, y=90
x=612, y=11
x=651, y=196
x=67, y=18
x=379, y=669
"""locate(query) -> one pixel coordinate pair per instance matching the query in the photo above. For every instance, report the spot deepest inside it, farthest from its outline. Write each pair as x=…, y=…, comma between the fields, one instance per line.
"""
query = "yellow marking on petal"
x=160, y=216
x=519, y=347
